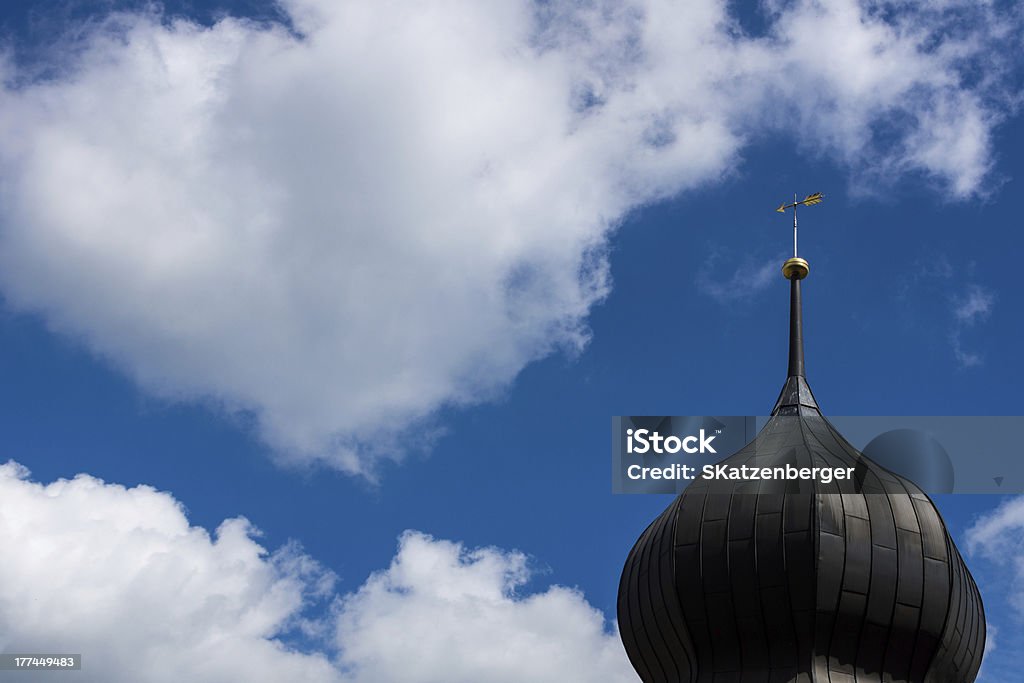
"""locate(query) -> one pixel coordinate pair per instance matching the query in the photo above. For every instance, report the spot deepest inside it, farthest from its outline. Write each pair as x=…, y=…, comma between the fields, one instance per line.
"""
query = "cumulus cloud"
x=341, y=227
x=119, y=575
x=998, y=537
x=463, y=622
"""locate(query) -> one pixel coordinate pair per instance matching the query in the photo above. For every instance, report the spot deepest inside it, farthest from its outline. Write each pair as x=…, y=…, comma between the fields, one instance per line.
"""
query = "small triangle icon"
x=998, y=480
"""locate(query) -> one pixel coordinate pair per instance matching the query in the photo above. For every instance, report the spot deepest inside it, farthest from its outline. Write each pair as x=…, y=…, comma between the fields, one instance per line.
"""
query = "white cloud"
x=462, y=622
x=975, y=305
x=972, y=307
x=340, y=234
x=749, y=278
x=991, y=632
x=120, y=576
x=964, y=357
x=968, y=304
x=995, y=542
x=998, y=537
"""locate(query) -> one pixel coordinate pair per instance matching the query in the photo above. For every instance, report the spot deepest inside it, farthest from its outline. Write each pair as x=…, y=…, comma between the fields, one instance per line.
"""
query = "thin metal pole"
x=794, y=225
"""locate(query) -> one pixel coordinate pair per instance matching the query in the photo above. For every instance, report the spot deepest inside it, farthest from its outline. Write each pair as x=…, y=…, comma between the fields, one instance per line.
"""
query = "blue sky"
x=174, y=256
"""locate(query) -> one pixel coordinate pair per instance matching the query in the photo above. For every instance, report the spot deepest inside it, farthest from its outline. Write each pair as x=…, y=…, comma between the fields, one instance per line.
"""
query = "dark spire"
x=796, y=331
x=796, y=397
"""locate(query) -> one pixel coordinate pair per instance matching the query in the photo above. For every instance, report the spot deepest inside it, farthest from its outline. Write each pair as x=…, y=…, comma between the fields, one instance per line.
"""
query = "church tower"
x=855, y=581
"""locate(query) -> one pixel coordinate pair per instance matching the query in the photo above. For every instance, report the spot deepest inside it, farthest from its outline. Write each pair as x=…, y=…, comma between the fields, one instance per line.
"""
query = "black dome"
x=852, y=581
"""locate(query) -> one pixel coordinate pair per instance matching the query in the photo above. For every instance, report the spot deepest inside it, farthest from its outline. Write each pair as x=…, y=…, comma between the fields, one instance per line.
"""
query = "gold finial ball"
x=795, y=268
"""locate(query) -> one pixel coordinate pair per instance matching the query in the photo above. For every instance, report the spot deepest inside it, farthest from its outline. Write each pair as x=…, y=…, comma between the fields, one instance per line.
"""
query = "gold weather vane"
x=809, y=200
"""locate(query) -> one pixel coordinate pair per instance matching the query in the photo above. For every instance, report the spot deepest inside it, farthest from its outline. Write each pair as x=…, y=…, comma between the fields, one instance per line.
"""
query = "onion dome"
x=796, y=580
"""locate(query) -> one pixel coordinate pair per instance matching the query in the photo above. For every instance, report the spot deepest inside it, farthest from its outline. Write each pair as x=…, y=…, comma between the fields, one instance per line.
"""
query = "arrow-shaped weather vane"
x=809, y=200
